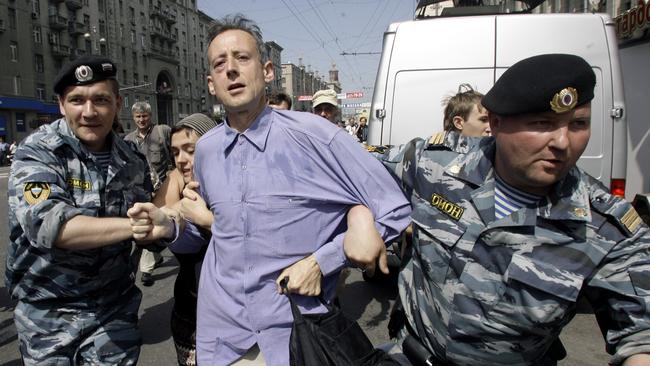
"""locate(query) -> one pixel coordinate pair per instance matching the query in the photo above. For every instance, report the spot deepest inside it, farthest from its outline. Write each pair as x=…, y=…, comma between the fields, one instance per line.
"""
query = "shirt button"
x=258, y=332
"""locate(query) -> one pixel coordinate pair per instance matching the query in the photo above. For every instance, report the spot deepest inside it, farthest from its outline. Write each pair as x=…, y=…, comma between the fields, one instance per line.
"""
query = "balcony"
x=164, y=34
x=165, y=15
x=60, y=51
x=76, y=28
x=74, y=4
x=58, y=22
x=162, y=54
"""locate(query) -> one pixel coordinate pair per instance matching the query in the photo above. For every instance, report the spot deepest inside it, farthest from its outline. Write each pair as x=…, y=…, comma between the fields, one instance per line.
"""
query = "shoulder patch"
x=35, y=192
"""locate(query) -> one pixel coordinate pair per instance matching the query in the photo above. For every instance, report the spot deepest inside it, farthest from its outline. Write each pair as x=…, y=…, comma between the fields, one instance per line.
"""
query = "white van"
x=423, y=61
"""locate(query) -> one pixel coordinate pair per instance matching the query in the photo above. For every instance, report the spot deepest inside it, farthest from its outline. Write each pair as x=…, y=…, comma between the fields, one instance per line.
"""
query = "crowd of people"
x=508, y=234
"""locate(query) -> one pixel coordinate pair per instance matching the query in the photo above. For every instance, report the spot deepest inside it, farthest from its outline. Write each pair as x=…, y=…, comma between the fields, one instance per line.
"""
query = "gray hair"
x=239, y=22
x=141, y=107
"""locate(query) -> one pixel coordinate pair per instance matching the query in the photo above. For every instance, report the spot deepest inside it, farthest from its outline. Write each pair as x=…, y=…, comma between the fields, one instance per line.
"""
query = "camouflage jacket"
x=482, y=291
x=54, y=178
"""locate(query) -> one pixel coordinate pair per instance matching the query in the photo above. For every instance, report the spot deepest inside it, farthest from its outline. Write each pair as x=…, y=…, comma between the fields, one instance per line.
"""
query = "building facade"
x=301, y=83
x=158, y=46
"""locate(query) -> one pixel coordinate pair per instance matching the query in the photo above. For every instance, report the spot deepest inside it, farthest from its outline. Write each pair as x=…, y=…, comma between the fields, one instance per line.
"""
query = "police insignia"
x=36, y=192
x=83, y=73
x=78, y=183
x=631, y=220
x=564, y=100
x=450, y=209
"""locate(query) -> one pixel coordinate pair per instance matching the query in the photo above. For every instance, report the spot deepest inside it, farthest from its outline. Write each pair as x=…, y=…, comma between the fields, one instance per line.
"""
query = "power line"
x=359, y=53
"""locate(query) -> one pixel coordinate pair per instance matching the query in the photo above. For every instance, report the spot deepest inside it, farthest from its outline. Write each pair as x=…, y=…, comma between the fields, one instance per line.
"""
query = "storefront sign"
x=637, y=18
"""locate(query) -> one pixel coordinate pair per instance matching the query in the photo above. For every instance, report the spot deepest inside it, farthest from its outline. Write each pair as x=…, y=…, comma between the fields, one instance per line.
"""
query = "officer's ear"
x=458, y=122
x=495, y=122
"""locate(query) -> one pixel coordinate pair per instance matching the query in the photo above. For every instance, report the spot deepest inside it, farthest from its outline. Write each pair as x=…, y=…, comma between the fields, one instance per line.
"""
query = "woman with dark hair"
x=179, y=192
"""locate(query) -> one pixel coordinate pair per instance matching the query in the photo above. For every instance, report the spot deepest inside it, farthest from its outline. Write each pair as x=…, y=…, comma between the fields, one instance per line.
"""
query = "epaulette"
x=51, y=140
x=437, y=138
x=618, y=211
x=380, y=149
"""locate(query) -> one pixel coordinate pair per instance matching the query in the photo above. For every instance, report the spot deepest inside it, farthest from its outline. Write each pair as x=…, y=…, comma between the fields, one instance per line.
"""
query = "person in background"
x=153, y=141
x=280, y=185
x=465, y=114
x=325, y=104
x=509, y=236
x=4, y=151
x=279, y=100
x=69, y=257
x=179, y=192
x=362, y=130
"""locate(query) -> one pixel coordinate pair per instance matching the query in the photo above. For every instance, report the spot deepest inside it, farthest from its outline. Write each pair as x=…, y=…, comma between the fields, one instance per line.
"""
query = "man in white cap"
x=325, y=104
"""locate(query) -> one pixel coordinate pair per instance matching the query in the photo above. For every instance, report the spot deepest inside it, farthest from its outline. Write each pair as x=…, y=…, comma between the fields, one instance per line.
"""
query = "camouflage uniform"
x=72, y=304
x=482, y=291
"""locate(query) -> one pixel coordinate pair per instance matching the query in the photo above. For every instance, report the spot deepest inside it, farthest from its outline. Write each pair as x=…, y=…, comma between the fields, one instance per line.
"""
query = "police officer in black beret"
x=510, y=235
x=68, y=262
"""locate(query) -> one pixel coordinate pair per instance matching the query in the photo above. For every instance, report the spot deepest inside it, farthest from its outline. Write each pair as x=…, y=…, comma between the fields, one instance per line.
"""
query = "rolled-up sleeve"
x=370, y=184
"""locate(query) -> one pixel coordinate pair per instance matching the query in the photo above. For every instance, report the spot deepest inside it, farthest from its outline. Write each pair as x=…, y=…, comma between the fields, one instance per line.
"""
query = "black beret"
x=84, y=70
x=543, y=83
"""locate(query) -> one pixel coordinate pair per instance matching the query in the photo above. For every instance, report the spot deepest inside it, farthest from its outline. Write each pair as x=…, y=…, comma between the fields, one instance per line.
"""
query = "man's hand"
x=149, y=222
x=304, y=277
x=362, y=244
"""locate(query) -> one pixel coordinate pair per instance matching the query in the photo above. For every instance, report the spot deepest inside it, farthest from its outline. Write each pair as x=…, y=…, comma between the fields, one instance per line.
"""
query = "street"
x=369, y=303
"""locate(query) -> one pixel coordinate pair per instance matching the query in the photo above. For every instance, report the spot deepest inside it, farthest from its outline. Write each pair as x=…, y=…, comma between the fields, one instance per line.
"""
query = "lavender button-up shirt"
x=279, y=192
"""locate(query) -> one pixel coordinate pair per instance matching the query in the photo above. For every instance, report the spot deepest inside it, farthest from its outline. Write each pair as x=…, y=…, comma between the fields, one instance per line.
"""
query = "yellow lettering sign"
x=449, y=208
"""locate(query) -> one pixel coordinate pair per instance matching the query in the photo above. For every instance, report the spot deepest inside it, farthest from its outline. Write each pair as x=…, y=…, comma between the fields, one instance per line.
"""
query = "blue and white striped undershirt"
x=508, y=199
x=103, y=159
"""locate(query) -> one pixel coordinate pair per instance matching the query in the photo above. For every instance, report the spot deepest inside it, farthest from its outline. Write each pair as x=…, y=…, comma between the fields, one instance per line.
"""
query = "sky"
x=318, y=31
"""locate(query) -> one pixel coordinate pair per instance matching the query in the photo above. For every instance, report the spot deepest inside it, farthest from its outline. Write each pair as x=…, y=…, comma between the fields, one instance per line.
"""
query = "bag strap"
x=297, y=315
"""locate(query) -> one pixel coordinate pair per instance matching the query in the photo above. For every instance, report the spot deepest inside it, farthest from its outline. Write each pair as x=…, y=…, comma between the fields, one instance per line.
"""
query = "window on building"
x=133, y=36
x=134, y=57
x=36, y=6
x=101, y=4
x=12, y=18
x=86, y=19
x=135, y=78
x=187, y=108
x=102, y=27
x=17, y=85
x=132, y=14
x=180, y=108
x=13, y=51
x=39, y=63
x=103, y=50
x=185, y=73
x=54, y=38
x=40, y=91
x=88, y=45
x=121, y=7
x=86, y=2
x=143, y=41
x=36, y=33
x=124, y=77
x=123, y=54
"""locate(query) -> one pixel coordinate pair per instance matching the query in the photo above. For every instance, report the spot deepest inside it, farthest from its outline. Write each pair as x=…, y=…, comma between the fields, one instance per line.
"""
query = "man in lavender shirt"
x=280, y=184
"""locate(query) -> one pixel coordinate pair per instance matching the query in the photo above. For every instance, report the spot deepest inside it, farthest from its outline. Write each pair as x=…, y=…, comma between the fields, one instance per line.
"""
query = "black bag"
x=331, y=339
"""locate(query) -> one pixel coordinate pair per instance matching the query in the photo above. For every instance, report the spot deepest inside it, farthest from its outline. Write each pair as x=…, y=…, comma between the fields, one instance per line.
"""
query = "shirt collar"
x=257, y=133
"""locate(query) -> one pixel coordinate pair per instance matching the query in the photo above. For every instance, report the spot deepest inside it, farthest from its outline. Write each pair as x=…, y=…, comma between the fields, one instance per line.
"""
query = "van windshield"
x=449, y=8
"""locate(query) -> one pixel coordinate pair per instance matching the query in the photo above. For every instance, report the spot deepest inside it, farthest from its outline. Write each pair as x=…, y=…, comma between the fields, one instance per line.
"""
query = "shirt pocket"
x=155, y=154
x=436, y=237
x=537, y=296
x=292, y=225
